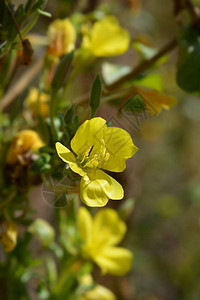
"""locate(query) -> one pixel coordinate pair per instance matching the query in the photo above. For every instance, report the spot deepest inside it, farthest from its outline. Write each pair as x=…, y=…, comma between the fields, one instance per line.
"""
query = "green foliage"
x=59, y=78
x=95, y=96
x=189, y=61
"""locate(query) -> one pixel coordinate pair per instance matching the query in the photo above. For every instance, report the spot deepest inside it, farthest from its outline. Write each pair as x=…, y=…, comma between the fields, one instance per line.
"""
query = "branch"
x=143, y=66
x=134, y=73
x=192, y=11
x=21, y=84
x=180, y=5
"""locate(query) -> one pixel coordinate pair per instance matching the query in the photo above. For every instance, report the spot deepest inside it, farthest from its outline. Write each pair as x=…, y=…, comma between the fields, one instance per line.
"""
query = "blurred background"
x=164, y=176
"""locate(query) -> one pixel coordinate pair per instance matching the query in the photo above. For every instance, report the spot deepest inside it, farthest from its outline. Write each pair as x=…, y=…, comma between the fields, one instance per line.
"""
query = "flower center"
x=92, y=160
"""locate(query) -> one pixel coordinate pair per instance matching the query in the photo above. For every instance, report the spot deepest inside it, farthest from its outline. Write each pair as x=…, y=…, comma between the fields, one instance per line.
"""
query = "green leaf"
x=41, y=164
x=145, y=51
x=51, y=270
x=43, y=231
x=61, y=72
x=39, y=4
x=126, y=208
x=188, y=74
x=152, y=81
x=95, y=95
x=113, y=72
x=44, y=13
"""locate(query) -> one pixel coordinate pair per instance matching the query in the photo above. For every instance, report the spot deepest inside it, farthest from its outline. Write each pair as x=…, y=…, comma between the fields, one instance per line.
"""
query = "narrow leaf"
x=61, y=72
x=95, y=95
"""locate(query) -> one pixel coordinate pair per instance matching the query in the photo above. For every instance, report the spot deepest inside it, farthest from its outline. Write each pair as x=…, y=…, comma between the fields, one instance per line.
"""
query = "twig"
x=180, y=5
x=134, y=73
x=14, y=20
x=191, y=9
x=143, y=66
x=91, y=5
x=21, y=84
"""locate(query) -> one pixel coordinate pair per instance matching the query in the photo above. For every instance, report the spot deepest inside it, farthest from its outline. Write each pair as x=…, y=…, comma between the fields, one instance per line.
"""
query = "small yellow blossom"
x=97, y=292
x=100, y=236
x=43, y=103
x=61, y=37
x=24, y=142
x=106, y=38
x=97, y=147
x=8, y=235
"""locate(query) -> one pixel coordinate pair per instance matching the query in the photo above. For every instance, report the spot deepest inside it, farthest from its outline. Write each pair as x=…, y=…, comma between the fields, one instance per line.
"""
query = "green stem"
x=8, y=200
x=67, y=273
x=52, y=113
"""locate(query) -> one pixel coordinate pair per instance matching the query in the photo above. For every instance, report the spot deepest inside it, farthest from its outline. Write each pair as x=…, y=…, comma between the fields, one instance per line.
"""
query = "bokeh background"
x=164, y=176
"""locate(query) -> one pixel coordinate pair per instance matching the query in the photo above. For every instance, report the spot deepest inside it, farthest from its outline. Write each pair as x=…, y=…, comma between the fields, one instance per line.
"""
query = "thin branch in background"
x=14, y=20
x=192, y=11
x=144, y=65
x=21, y=84
x=91, y=5
x=180, y=5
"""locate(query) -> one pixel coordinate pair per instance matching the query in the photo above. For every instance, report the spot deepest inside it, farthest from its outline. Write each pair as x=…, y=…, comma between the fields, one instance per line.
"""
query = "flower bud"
x=8, y=235
x=61, y=37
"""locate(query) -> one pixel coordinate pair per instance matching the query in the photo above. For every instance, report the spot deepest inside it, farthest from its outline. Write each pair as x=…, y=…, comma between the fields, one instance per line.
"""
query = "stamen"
x=92, y=162
x=90, y=151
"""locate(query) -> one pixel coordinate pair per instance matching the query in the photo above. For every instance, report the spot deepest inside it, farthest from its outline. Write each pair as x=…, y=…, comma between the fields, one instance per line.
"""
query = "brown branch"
x=134, y=73
x=21, y=84
x=91, y=5
x=143, y=66
x=192, y=11
x=180, y=5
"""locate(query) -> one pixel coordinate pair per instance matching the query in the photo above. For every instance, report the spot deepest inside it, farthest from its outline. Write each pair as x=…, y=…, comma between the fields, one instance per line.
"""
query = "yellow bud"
x=25, y=141
x=32, y=102
x=8, y=235
x=98, y=292
x=61, y=37
x=106, y=38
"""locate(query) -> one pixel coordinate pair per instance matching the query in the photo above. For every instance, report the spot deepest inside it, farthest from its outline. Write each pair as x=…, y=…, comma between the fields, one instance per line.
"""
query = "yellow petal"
x=92, y=192
x=85, y=224
x=26, y=140
x=38, y=102
x=108, y=38
x=68, y=157
x=156, y=101
x=120, y=146
x=114, y=260
x=61, y=37
x=98, y=187
x=8, y=235
x=112, y=228
x=99, y=292
x=88, y=134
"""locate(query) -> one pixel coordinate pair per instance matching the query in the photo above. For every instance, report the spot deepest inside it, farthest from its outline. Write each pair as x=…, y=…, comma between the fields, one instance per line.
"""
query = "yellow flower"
x=24, y=142
x=61, y=37
x=106, y=38
x=8, y=235
x=99, y=292
x=100, y=236
x=32, y=102
x=97, y=147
